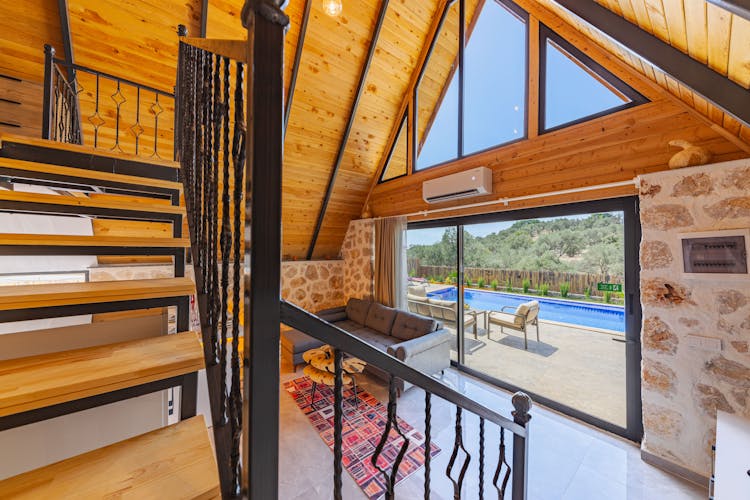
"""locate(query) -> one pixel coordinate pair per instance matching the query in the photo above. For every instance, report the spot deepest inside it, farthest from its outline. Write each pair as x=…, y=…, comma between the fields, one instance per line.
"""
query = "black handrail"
x=342, y=341
x=78, y=67
x=320, y=329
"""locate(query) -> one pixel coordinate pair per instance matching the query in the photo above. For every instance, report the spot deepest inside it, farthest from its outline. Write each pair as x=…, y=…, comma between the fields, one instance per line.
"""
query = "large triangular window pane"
x=576, y=88
x=396, y=165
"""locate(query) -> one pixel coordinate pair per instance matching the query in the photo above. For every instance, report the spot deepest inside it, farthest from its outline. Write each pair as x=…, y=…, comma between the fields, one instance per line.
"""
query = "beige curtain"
x=390, y=261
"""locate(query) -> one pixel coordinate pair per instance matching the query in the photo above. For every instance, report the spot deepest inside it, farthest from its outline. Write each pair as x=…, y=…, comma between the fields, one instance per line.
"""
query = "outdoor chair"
x=447, y=310
x=526, y=314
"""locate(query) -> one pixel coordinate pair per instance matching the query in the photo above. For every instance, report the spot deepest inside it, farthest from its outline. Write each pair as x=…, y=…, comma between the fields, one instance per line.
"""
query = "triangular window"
x=396, y=164
x=574, y=88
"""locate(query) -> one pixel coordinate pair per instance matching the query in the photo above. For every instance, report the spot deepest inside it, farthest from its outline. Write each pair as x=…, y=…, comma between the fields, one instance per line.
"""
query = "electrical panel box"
x=721, y=253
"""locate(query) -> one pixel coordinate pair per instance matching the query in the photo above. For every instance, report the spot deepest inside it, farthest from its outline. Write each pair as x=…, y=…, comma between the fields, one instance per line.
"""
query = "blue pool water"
x=606, y=316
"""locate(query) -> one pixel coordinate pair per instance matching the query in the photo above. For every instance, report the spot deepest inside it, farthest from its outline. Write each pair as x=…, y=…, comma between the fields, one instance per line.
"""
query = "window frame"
x=404, y=122
x=547, y=34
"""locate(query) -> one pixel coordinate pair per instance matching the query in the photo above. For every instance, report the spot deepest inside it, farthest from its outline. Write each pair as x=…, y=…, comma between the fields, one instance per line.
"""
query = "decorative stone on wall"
x=682, y=386
x=358, y=251
x=313, y=285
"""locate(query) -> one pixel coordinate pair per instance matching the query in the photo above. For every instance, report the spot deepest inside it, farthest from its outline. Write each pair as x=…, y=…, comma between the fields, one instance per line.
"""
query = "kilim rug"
x=363, y=426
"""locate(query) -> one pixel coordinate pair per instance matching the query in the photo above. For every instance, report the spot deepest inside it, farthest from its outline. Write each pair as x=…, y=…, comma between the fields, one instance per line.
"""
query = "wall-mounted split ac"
x=466, y=184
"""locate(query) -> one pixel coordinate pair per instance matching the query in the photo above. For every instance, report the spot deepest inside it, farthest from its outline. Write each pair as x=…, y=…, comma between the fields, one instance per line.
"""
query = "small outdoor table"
x=320, y=368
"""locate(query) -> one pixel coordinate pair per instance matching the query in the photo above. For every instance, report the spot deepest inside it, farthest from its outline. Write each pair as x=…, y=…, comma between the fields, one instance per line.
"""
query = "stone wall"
x=313, y=285
x=358, y=252
x=684, y=386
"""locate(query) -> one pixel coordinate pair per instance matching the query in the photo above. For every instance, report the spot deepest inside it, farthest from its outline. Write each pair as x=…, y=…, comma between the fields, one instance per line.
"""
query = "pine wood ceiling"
x=137, y=39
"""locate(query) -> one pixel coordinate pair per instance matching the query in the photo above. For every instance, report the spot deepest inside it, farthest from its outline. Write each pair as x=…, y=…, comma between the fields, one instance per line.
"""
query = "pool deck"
x=579, y=367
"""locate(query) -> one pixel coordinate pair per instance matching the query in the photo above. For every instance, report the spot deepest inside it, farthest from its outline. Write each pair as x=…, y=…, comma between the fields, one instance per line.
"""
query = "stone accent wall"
x=358, y=252
x=683, y=387
x=313, y=285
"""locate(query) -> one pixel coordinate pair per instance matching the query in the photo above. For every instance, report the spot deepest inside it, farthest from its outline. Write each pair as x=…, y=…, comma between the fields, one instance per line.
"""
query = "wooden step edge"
x=35, y=382
x=86, y=173
x=83, y=149
x=175, y=461
x=51, y=199
x=54, y=240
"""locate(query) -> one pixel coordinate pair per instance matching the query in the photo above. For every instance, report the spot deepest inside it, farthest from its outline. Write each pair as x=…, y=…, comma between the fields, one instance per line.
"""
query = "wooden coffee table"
x=321, y=370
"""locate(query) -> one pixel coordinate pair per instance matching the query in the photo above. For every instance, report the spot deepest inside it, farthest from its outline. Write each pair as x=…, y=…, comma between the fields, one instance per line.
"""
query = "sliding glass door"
x=544, y=303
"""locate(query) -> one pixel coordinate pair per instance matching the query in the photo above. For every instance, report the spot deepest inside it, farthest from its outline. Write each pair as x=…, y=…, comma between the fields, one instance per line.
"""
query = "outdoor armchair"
x=524, y=315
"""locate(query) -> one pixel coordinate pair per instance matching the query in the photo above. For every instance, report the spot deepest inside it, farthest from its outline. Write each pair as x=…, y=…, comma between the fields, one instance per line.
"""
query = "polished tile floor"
x=567, y=459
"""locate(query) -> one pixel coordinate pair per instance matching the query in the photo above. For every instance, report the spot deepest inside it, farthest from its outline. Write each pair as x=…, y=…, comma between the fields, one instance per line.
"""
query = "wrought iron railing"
x=211, y=139
x=105, y=111
x=502, y=471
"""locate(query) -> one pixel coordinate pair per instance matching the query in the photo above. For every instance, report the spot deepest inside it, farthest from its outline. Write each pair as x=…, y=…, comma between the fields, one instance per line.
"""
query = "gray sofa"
x=418, y=341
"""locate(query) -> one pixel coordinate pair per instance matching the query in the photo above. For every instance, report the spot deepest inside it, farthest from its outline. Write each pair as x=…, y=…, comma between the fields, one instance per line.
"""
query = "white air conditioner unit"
x=474, y=182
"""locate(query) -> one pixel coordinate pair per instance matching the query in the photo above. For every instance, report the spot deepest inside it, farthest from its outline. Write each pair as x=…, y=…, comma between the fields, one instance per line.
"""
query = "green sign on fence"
x=609, y=287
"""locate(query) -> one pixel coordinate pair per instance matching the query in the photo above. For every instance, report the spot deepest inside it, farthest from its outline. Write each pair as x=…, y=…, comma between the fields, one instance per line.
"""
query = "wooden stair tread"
x=62, y=294
x=38, y=381
x=86, y=202
x=77, y=148
x=81, y=173
x=175, y=462
x=91, y=241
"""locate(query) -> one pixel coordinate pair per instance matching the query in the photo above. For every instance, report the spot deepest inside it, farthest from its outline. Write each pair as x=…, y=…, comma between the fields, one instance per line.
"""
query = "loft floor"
x=568, y=460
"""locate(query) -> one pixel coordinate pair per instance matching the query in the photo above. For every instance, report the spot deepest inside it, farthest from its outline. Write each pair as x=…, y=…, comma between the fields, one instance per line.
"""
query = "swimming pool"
x=605, y=316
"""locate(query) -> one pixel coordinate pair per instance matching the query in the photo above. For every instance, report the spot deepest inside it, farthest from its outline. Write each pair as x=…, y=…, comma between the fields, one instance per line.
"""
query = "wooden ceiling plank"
x=350, y=122
x=719, y=31
x=741, y=9
x=739, y=52
x=697, y=29
x=297, y=61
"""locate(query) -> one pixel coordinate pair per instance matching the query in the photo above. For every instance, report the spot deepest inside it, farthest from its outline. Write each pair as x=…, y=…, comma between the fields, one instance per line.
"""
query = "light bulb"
x=332, y=7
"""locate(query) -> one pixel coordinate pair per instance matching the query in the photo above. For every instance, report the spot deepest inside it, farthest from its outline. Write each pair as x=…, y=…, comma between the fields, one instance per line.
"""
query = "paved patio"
x=580, y=368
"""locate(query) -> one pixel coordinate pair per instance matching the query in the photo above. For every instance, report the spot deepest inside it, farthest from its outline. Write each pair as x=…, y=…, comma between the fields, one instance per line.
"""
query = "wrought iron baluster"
x=502, y=465
x=96, y=119
x=458, y=444
x=338, y=423
x=119, y=99
x=157, y=110
x=211, y=131
x=391, y=476
x=137, y=129
x=427, y=443
x=226, y=232
x=481, y=458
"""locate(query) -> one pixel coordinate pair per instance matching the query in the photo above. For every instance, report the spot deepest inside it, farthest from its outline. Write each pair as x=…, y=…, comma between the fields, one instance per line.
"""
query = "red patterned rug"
x=362, y=429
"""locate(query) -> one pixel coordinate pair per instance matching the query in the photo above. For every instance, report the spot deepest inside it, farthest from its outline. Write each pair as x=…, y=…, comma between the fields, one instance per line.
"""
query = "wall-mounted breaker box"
x=719, y=252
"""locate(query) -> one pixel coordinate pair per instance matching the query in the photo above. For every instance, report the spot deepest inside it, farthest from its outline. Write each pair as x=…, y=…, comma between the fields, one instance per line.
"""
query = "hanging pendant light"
x=333, y=7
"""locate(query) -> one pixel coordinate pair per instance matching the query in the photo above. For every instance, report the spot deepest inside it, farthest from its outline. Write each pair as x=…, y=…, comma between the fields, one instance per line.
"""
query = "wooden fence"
x=579, y=282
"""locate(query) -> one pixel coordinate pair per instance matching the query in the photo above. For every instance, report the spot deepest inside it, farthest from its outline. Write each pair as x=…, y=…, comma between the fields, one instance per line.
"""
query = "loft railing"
x=500, y=473
x=105, y=111
x=211, y=150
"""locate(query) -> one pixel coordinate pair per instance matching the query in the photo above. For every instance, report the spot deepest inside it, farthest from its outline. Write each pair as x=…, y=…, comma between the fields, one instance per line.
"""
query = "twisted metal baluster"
x=212, y=158
x=458, y=444
x=225, y=235
x=391, y=423
x=238, y=157
x=427, y=443
x=500, y=463
x=338, y=424
x=481, y=458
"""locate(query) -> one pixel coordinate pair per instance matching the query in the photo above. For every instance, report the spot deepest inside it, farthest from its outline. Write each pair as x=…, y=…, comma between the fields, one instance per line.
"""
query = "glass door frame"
x=632, y=235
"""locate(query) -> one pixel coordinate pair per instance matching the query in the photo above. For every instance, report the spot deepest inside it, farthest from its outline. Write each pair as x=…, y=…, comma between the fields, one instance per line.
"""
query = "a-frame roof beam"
x=67, y=40
x=204, y=18
x=297, y=60
x=739, y=7
x=347, y=131
x=723, y=92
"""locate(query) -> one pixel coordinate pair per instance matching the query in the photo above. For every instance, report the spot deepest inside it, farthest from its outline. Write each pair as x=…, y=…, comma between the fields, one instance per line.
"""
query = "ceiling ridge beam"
x=297, y=61
x=347, y=131
x=731, y=97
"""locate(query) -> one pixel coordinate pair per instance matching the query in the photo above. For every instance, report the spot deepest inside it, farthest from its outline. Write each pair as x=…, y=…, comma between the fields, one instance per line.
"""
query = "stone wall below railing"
x=683, y=386
x=313, y=285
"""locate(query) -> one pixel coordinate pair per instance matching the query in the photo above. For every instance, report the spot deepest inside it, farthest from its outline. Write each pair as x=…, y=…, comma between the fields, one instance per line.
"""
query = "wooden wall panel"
x=615, y=148
x=26, y=27
x=20, y=107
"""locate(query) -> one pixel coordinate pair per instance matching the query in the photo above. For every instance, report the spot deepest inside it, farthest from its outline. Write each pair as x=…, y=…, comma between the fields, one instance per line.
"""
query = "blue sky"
x=494, y=90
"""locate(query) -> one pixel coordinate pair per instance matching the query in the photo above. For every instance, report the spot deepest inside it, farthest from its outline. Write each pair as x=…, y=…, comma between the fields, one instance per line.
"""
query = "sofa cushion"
x=356, y=310
x=380, y=318
x=419, y=305
x=375, y=338
x=409, y=326
x=348, y=325
x=446, y=309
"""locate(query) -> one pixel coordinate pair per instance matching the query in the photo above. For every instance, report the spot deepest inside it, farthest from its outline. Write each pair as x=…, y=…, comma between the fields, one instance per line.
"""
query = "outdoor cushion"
x=419, y=305
x=447, y=311
x=356, y=310
x=375, y=338
x=523, y=310
x=418, y=290
x=506, y=319
x=408, y=326
x=380, y=318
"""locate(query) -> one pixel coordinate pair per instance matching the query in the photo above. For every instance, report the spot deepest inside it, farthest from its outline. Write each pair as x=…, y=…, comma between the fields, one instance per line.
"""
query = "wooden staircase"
x=176, y=461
